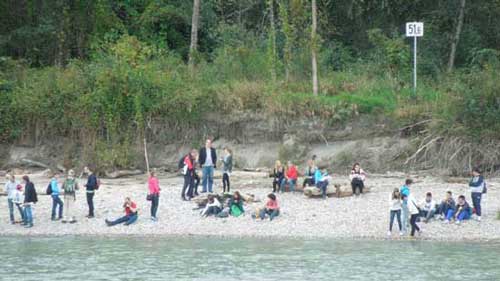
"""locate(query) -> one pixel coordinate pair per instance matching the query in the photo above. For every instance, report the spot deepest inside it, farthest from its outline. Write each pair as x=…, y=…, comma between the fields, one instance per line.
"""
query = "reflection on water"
x=78, y=258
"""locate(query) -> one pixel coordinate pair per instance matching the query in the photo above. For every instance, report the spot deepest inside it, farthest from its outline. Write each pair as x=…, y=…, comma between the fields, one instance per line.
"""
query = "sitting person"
x=278, y=175
x=463, y=210
x=213, y=207
x=322, y=179
x=427, y=208
x=309, y=174
x=291, y=176
x=272, y=208
x=447, y=205
x=131, y=214
x=236, y=205
x=357, y=178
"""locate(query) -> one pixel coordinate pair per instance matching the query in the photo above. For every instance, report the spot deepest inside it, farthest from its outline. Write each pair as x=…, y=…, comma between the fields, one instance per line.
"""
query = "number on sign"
x=414, y=29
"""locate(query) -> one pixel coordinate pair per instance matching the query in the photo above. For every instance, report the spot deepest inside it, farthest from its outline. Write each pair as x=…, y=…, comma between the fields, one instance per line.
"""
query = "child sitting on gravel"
x=213, y=206
x=427, y=208
x=463, y=211
x=272, y=208
x=131, y=214
x=447, y=205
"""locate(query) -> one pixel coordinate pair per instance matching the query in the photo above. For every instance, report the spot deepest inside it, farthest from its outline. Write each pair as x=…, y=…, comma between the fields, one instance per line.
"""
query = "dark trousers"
x=155, y=201
x=308, y=182
x=225, y=182
x=413, y=223
x=356, y=185
x=196, y=184
x=56, y=201
x=277, y=184
x=90, y=202
x=476, y=202
x=323, y=185
x=271, y=213
x=127, y=220
x=187, y=188
x=397, y=214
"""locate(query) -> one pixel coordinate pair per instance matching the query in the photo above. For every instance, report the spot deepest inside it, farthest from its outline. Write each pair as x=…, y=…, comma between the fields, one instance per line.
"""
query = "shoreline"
x=352, y=218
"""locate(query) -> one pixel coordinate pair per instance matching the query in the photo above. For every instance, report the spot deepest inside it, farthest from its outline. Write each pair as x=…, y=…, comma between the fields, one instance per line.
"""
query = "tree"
x=456, y=37
x=272, y=41
x=314, y=43
x=194, y=32
x=287, y=31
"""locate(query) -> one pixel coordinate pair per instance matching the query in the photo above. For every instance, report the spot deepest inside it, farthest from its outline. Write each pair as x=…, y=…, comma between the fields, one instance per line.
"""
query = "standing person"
x=413, y=209
x=477, y=188
x=208, y=162
x=227, y=169
x=91, y=187
x=272, y=208
x=278, y=175
x=322, y=179
x=131, y=214
x=56, y=200
x=405, y=189
x=309, y=174
x=428, y=207
x=18, y=200
x=188, y=171
x=10, y=189
x=30, y=199
x=154, y=193
x=291, y=176
x=357, y=178
x=405, y=212
x=70, y=186
x=395, y=211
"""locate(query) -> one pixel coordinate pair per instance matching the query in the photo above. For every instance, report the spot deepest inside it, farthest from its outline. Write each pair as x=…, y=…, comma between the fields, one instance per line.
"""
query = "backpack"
x=49, y=189
x=69, y=186
x=181, y=164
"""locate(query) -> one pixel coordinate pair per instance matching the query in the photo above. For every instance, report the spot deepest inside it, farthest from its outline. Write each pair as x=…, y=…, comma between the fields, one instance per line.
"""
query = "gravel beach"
x=364, y=217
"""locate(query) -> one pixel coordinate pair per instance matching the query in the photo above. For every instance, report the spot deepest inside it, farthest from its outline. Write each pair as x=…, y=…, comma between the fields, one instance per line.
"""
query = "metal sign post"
x=414, y=29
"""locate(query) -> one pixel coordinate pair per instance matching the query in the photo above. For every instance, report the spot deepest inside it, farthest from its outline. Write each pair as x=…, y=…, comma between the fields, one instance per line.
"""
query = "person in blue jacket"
x=321, y=178
x=56, y=200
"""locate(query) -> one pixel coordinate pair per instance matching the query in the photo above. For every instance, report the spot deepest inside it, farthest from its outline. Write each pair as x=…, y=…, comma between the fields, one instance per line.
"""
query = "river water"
x=143, y=258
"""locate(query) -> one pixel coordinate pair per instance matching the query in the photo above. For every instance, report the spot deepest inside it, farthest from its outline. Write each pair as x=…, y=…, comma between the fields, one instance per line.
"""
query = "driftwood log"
x=122, y=173
x=202, y=200
x=335, y=190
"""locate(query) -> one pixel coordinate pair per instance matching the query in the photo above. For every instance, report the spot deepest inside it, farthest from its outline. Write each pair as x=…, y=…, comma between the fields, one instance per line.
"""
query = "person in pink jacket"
x=154, y=194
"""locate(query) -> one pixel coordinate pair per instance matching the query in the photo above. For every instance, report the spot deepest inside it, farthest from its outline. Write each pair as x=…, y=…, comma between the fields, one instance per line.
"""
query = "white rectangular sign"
x=414, y=29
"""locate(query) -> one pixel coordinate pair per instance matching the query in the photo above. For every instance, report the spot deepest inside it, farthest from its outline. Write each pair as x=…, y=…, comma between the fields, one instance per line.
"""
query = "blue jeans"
x=127, y=220
x=56, y=201
x=208, y=178
x=397, y=214
x=28, y=215
x=290, y=182
x=272, y=213
x=323, y=185
x=463, y=215
x=449, y=214
x=11, y=210
x=404, y=218
x=476, y=202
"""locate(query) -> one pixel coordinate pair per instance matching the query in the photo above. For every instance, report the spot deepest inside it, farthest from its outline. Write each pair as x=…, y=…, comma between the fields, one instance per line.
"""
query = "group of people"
x=313, y=176
x=404, y=206
x=24, y=196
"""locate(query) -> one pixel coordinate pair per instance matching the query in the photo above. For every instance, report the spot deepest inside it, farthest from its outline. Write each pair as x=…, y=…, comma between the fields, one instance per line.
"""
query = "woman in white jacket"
x=414, y=212
x=395, y=210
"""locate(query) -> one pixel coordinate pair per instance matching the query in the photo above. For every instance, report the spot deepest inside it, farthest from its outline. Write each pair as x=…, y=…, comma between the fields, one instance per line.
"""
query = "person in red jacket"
x=188, y=172
x=291, y=176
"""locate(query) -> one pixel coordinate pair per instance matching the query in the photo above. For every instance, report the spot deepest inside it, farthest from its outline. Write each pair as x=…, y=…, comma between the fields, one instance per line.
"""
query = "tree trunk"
x=456, y=37
x=287, y=31
x=272, y=41
x=194, y=32
x=313, y=48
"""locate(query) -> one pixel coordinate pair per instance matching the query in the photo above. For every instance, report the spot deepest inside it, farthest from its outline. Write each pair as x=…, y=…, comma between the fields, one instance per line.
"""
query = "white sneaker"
x=446, y=222
x=401, y=233
x=478, y=218
x=457, y=222
x=389, y=233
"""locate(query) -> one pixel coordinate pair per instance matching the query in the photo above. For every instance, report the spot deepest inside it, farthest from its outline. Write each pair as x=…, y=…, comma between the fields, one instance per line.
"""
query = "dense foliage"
x=99, y=71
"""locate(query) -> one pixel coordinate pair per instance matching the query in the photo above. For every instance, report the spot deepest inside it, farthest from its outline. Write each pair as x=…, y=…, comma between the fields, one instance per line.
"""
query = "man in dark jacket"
x=91, y=187
x=30, y=198
x=208, y=162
